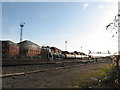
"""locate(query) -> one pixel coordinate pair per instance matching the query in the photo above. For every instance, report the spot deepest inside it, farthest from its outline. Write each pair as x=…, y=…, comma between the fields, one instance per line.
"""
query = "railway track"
x=36, y=71
x=9, y=63
x=59, y=65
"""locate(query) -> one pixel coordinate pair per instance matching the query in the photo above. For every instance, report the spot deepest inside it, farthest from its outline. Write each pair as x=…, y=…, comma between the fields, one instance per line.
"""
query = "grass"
x=92, y=79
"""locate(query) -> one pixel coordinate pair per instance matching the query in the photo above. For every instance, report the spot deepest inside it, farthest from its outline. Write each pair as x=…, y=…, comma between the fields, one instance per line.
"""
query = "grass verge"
x=93, y=79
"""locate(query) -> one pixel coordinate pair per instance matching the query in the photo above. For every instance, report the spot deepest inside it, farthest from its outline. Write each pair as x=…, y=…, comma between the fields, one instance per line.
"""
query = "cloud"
x=85, y=6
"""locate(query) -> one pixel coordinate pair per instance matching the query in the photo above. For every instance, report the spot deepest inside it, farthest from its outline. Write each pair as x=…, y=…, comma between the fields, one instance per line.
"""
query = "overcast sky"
x=82, y=24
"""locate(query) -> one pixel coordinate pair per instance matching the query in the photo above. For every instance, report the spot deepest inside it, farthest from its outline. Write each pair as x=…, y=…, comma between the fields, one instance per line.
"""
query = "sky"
x=82, y=24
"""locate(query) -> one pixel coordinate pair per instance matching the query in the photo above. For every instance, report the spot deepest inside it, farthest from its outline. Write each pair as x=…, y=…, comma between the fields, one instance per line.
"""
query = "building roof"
x=55, y=48
x=65, y=52
x=9, y=42
x=29, y=42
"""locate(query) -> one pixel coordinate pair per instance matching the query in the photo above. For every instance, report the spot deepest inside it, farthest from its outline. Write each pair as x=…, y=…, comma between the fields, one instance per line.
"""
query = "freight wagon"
x=70, y=56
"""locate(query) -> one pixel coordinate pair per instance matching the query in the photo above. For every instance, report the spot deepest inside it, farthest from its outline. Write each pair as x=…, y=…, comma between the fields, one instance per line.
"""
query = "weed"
x=93, y=79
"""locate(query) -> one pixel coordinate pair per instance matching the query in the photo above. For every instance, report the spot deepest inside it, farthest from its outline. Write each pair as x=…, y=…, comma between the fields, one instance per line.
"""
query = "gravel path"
x=49, y=79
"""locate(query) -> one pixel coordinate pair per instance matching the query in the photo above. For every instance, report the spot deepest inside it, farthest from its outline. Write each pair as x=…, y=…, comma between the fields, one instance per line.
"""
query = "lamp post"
x=81, y=52
x=81, y=48
x=21, y=29
x=21, y=25
x=66, y=45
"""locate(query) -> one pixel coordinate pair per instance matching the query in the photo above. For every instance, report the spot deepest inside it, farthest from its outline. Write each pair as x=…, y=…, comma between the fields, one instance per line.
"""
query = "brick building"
x=9, y=49
x=56, y=52
x=29, y=48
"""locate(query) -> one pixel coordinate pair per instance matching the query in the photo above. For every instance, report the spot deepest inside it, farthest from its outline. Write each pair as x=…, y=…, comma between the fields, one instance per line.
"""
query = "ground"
x=54, y=78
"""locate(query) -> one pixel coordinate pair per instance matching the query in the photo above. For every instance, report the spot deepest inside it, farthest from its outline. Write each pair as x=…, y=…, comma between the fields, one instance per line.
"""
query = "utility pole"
x=81, y=52
x=81, y=48
x=21, y=30
x=66, y=45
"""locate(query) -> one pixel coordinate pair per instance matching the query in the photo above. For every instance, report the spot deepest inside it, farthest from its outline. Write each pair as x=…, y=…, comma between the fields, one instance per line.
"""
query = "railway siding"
x=41, y=67
x=36, y=71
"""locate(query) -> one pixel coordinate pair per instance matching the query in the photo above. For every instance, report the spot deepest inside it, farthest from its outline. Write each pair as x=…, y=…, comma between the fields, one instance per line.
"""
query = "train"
x=70, y=56
x=67, y=56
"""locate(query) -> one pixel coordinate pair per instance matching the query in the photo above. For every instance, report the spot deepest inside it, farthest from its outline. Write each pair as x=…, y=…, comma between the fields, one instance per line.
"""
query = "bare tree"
x=114, y=26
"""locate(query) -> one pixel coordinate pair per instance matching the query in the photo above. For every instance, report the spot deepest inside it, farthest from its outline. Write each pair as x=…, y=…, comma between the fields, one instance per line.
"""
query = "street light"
x=81, y=48
x=66, y=45
x=21, y=25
